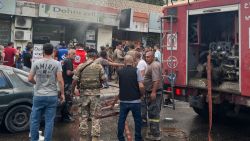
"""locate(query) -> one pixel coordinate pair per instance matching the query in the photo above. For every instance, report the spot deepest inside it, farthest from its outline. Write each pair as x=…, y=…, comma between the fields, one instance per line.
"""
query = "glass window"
x=22, y=75
x=15, y=80
x=48, y=32
x=3, y=81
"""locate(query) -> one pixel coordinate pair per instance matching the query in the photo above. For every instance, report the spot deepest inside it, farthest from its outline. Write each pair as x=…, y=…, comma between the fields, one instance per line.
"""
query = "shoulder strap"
x=78, y=82
x=86, y=66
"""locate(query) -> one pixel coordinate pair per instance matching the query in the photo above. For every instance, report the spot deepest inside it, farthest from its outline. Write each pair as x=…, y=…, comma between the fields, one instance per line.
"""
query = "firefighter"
x=153, y=97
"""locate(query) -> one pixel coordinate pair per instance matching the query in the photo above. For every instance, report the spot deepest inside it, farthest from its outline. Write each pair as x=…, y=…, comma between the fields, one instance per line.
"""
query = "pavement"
x=168, y=133
x=181, y=124
x=69, y=131
x=109, y=124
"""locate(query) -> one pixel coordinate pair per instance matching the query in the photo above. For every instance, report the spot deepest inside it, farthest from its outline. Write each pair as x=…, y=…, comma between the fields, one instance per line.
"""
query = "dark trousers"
x=151, y=113
x=66, y=107
x=135, y=108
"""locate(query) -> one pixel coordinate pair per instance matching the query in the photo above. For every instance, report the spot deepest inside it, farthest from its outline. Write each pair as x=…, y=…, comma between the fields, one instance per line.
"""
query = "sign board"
x=78, y=14
x=140, y=27
x=37, y=52
x=172, y=62
x=137, y=27
x=29, y=9
x=154, y=22
x=90, y=45
x=8, y=7
x=90, y=35
x=172, y=41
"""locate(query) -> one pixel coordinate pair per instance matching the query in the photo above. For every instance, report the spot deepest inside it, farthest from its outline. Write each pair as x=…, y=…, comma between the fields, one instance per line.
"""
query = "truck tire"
x=201, y=112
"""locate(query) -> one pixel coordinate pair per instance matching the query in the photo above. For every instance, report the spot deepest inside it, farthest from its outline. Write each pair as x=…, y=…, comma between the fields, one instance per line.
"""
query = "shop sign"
x=137, y=27
x=71, y=13
x=8, y=6
x=90, y=35
x=91, y=45
x=140, y=27
x=29, y=9
x=37, y=52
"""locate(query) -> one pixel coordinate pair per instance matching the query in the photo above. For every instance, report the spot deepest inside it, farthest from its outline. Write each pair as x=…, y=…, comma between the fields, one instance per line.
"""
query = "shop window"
x=48, y=32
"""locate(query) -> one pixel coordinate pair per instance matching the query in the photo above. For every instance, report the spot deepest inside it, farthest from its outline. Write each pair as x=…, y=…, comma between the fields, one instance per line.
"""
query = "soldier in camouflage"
x=89, y=75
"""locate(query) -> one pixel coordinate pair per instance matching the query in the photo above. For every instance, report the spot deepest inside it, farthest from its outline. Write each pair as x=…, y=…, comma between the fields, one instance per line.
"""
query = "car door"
x=6, y=90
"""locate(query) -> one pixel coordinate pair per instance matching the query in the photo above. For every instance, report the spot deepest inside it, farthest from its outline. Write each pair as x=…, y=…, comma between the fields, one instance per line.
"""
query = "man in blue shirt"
x=62, y=52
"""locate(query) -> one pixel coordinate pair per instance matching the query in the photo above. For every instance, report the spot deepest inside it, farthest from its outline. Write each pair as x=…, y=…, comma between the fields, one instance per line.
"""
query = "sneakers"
x=41, y=137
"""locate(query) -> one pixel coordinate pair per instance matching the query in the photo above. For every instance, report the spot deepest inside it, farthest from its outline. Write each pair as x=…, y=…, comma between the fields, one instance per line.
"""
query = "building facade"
x=92, y=22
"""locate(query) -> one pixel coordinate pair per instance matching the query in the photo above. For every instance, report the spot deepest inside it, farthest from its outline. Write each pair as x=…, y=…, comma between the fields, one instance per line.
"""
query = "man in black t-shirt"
x=68, y=73
x=130, y=93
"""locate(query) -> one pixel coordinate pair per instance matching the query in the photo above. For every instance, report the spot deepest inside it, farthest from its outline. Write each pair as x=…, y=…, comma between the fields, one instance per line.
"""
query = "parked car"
x=15, y=99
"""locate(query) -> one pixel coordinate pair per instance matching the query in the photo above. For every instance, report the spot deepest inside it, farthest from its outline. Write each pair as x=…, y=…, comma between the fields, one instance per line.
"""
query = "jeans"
x=43, y=105
x=106, y=72
x=19, y=65
x=135, y=108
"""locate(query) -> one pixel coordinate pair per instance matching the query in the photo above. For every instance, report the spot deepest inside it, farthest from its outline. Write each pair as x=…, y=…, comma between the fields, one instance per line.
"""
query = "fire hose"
x=209, y=89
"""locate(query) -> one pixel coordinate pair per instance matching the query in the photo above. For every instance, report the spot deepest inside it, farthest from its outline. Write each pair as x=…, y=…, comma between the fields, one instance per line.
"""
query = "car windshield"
x=22, y=75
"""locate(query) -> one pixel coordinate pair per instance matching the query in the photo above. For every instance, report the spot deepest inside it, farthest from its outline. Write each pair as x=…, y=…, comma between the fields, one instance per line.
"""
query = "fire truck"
x=195, y=29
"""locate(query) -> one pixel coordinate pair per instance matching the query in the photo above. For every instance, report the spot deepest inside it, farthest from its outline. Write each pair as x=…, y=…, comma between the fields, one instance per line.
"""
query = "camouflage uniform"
x=90, y=81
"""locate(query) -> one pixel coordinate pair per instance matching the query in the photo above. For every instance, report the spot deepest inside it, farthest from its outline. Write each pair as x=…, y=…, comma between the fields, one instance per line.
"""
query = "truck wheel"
x=17, y=118
x=201, y=112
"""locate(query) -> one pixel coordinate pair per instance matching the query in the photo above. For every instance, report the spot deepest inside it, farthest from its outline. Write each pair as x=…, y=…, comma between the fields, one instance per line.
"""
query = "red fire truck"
x=193, y=30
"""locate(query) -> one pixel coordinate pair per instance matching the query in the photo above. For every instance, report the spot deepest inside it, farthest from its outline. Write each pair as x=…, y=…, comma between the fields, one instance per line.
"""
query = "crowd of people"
x=82, y=70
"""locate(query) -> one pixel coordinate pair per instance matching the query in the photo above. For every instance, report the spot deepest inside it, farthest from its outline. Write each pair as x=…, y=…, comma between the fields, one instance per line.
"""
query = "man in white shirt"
x=141, y=65
x=157, y=53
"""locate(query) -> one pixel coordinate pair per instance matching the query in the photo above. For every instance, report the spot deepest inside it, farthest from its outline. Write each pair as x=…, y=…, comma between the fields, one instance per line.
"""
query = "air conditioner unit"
x=23, y=22
x=24, y=35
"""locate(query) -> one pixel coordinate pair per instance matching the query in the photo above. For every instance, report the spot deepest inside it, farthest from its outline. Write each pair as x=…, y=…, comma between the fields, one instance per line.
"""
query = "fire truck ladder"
x=170, y=76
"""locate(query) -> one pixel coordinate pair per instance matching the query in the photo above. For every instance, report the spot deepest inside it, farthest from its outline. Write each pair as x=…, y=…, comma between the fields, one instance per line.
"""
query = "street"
x=181, y=124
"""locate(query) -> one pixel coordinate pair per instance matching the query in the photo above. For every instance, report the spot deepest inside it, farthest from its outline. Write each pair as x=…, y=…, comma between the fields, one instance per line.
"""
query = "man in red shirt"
x=10, y=53
x=80, y=56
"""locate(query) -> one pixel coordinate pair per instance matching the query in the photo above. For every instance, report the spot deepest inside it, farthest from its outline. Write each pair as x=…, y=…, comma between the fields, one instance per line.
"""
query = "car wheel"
x=17, y=118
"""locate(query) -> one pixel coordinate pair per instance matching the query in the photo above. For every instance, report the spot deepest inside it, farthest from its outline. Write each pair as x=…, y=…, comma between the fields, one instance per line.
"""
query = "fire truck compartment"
x=216, y=33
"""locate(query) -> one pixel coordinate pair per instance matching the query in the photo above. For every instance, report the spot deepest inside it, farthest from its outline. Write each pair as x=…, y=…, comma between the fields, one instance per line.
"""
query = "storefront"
x=80, y=21
x=56, y=30
x=134, y=28
x=62, y=23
